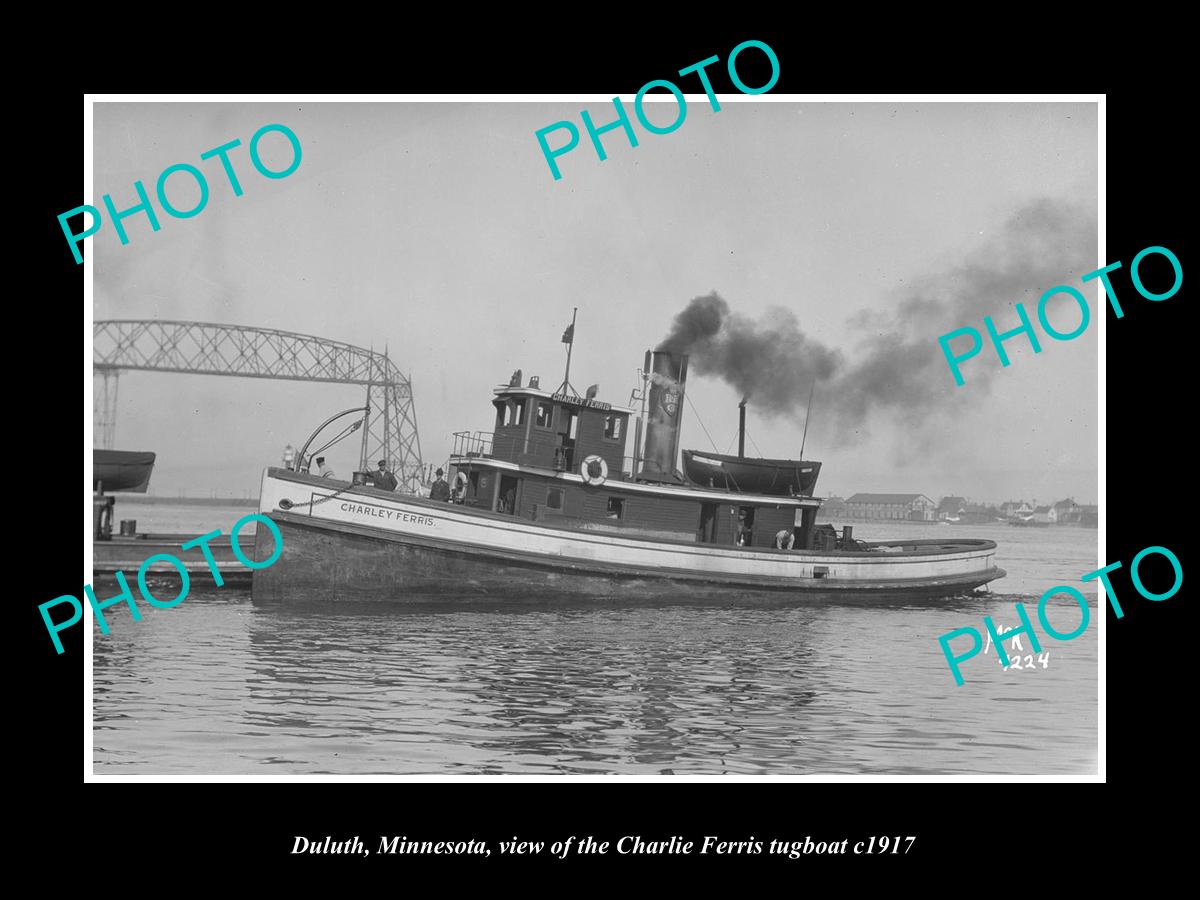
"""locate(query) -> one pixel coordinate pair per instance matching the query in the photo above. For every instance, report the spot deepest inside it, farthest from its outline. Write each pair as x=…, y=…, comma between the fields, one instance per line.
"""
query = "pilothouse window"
x=543, y=415
x=612, y=427
x=518, y=414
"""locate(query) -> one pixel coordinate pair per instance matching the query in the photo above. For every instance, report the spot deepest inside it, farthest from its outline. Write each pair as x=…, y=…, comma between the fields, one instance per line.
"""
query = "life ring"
x=594, y=470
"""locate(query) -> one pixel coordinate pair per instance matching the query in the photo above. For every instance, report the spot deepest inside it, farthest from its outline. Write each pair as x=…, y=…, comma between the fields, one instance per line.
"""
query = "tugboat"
x=548, y=505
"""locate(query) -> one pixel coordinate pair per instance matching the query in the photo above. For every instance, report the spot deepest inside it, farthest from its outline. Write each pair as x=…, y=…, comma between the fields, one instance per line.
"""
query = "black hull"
x=755, y=476
x=327, y=562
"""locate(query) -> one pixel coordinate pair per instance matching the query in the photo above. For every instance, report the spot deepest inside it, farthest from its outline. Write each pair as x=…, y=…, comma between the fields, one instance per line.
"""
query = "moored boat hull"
x=121, y=470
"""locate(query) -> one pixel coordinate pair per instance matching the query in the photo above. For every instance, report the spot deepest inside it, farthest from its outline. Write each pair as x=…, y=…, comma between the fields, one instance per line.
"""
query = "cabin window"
x=543, y=414
x=504, y=415
x=518, y=413
x=616, y=508
x=612, y=427
x=573, y=425
x=554, y=498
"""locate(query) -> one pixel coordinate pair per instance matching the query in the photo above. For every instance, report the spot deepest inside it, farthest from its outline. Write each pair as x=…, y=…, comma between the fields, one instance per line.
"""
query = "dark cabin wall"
x=487, y=486
x=527, y=443
x=767, y=521
x=680, y=518
x=726, y=524
x=543, y=439
x=661, y=516
x=534, y=493
x=508, y=441
x=591, y=440
x=657, y=513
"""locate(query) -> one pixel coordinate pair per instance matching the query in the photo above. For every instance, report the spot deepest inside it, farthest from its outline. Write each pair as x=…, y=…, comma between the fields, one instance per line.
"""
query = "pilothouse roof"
x=563, y=398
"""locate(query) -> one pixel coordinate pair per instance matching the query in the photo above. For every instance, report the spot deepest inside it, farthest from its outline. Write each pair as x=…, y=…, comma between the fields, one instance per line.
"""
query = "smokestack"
x=742, y=428
x=668, y=374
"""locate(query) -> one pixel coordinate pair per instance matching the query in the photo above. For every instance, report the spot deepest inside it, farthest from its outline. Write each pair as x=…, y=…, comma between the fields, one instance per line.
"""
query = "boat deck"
x=923, y=547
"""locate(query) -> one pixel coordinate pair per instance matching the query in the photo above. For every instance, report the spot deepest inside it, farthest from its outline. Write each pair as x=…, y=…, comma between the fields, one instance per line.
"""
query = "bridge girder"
x=206, y=348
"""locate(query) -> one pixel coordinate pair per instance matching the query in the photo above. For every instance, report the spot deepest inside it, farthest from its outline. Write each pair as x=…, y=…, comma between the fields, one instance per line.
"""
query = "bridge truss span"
x=207, y=348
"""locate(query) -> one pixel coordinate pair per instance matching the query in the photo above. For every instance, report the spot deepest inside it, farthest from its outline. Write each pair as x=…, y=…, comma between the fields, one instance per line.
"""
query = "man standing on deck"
x=384, y=480
x=440, y=490
x=323, y=470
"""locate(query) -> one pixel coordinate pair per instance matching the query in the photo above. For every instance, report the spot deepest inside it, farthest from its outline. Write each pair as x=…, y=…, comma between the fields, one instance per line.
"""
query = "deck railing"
x=472, y=443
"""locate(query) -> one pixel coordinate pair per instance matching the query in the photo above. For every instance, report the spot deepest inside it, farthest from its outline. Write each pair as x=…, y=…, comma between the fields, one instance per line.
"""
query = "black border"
x=961, y=828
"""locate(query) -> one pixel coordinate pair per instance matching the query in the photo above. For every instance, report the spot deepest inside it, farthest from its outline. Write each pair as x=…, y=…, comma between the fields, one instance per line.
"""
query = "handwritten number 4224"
x=1015, y=658
x=1043, y=658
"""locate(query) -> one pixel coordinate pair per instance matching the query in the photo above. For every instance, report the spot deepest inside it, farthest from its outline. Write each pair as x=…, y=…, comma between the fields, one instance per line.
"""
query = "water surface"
x=220, y=686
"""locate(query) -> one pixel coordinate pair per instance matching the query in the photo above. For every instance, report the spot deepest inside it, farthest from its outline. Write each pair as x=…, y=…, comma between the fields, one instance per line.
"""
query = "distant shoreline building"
x=833, y=509
x=1017, y=509
x=1065, y=512
x=909, y=507
x=951, y=508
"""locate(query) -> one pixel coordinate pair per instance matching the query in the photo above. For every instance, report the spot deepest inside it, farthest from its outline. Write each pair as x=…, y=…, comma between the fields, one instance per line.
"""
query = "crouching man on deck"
x=784, y=539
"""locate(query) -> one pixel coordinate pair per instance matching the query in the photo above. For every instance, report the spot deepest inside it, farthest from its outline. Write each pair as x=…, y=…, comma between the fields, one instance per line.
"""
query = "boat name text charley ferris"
x=1027, y=626
x=382, y=512
x=161, y=189
x=1026, y=326
x=622, y=120
x=126, y=596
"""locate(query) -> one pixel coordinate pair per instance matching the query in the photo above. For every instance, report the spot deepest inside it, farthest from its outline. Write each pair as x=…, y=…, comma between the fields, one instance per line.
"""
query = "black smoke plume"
x=895, y=369
x=769, y=360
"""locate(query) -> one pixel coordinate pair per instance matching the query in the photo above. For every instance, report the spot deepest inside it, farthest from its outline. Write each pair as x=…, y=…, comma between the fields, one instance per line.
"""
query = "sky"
x=436, y=230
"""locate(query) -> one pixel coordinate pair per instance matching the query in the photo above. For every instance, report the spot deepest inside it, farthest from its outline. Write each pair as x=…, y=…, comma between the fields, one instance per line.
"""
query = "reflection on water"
x=218, y=685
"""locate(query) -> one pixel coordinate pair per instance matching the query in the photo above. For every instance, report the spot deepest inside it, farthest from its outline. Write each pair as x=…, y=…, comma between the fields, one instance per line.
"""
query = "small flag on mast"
x=569, y=334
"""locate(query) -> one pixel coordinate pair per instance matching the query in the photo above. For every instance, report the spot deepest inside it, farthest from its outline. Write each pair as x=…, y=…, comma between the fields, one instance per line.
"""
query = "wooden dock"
x=128, y=553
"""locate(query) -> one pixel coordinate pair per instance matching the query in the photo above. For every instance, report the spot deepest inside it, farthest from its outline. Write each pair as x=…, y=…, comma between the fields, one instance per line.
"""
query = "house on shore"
x=951, y=508
x=1089, y=516
x=1064, y=512
x=1016, y=509
x=1042, y=514
x=978, y=514
x=910, y=507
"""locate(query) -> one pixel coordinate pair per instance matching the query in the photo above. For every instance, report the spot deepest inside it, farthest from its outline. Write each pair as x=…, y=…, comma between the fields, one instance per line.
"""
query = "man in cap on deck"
x=384, y=480
x=441, y=490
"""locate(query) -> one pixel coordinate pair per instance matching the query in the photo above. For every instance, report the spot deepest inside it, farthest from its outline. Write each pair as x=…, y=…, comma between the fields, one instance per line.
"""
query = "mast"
x=569, y=340
x=807, y=413
x=362, y=455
